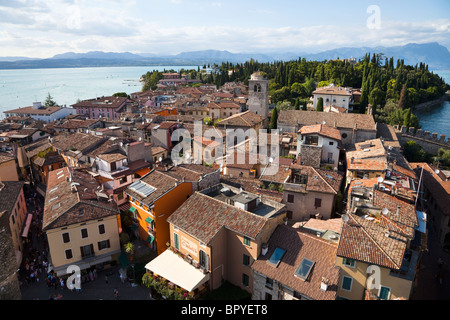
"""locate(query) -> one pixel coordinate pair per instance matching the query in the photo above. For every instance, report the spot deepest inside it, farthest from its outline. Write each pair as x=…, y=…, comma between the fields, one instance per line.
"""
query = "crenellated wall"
x=430, y=142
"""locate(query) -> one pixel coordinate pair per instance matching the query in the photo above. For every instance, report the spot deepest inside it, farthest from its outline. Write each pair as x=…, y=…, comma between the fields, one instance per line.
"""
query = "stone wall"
x=9, y=282
x=430, y=142
x=310, y=155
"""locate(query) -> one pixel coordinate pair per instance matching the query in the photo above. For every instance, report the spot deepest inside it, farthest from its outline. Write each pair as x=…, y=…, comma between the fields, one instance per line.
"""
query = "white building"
x=40, y=112
x=334, y=96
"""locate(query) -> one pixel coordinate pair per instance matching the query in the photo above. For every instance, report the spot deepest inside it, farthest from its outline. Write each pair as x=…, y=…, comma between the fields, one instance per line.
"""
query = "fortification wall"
x=430, y=142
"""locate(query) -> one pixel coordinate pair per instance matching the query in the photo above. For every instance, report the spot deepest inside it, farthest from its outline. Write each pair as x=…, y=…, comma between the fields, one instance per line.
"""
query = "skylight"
x=276, y=257
x=142, y=188
x=304, y=269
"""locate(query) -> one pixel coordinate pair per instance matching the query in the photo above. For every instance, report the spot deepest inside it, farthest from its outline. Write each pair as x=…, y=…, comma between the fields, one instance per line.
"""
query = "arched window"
x=258, y=88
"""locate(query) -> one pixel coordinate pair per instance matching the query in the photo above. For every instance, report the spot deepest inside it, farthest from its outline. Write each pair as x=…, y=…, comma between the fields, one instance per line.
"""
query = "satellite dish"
x=380, y=179
x=345, y=218
x=270, y=160
x=160, y=159
x=437, y=171
x=385, y=211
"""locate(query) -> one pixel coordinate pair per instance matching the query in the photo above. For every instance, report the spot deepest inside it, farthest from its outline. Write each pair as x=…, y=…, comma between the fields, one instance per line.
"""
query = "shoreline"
x=426, y=105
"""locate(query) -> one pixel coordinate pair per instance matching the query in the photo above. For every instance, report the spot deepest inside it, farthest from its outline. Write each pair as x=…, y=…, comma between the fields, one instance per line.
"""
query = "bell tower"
x=258, y=95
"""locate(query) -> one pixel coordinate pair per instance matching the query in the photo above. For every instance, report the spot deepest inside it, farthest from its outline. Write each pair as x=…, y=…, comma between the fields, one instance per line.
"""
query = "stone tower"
x=258, y=95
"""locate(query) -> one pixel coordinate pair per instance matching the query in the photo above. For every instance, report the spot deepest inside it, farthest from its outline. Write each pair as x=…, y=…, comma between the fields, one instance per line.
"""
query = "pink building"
x=110, y=107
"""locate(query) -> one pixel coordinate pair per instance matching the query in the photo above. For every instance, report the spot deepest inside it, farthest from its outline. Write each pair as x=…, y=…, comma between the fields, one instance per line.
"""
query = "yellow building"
x=80, y=222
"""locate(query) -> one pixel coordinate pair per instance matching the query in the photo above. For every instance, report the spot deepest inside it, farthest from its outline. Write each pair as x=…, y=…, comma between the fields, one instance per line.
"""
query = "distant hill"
x=436, y=56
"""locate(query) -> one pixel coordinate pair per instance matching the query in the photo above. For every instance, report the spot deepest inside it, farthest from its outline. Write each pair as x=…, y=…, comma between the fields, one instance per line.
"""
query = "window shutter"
x=82, y=252
x=108, y=244
x=92, y=248
x=99, y=245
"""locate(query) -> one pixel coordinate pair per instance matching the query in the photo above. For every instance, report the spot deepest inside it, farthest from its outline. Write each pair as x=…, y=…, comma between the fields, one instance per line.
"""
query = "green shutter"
x=132, y=209
x=176, y=242
x=149, y=220
x=347, y=283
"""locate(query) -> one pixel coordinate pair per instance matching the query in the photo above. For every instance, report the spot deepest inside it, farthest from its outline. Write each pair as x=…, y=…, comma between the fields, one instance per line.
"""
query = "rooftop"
x=322, y=130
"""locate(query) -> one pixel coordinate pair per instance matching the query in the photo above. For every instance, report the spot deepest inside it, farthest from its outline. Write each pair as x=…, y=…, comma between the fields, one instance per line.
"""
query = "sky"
x=41, y=29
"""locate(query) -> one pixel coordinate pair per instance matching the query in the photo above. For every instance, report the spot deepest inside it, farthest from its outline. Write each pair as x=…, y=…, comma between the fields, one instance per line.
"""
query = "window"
x=66, y=237
x=120, y=196
x=87, y=251
x=312, y=140
x=385, y=293
x=276, y=257
x=347, y=283
x=304, y=269
x=69, y=254
x=289, y=214
x=104, y=245
x=269, y=283
x=123, y=180
x=245, y=279
x=290, y=198
x=101, y=229
x=331, y=143
x=348, y=262
x=246, y=260
x=247, y=241
x=203, y=259
x=113, y=166
x=84, y=233
x=176, y=241
x=268, y=296
x=317, y=203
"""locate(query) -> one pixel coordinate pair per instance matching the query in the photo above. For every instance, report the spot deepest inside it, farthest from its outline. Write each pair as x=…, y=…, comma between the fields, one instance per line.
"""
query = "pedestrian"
x=61, y=283
x=122, y=279
x=116, y=294
x=106, y=279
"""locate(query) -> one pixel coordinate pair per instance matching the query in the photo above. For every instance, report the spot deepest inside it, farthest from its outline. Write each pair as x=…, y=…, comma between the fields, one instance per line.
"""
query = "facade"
x=9, y=277
x=80, y=222
x=319, y=145
x=258, y=95
x=39, y=112
x=307, y=192
x=221, y=230
x=12, y=202
x=333, y=96
x=223, y=110
x=110, y=107
x=353, y=127
x=153, y=199
x=162, y=135
x=297, y=265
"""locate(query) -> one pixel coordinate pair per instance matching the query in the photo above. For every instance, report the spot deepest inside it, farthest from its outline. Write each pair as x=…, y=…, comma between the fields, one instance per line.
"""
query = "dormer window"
x=304, y=269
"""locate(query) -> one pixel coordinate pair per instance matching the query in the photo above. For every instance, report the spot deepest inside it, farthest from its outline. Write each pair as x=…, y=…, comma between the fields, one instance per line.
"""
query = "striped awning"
x=26, y=229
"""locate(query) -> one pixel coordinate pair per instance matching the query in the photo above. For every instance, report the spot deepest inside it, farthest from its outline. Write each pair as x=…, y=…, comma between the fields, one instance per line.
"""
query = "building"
x=9, y=277
x=162, y=134
x=40, y=112
x=78, y=125
x=244, y=121
x=383, y=233
x=80, y=222
x=334, y=96
x=8, y=168
x=307, y=192
x=353, y=127
x=319, y=145
x=152, y=200
x=110, y=107
x=296, y=265
x=435, y=199
x=258, y=95
x=223, y=109
x=220, y=231
x=13, y=205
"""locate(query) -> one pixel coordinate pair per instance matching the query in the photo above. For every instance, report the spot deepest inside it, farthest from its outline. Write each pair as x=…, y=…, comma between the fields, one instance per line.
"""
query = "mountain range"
x=435, y=55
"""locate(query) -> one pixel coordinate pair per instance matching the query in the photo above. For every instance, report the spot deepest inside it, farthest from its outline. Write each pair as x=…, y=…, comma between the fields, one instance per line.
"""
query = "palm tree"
x=129, y=248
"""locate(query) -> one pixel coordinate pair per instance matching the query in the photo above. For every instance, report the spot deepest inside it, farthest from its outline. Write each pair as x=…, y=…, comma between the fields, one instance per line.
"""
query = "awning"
x=132, y=209
x=142, y=172
x=422, y=218
x=173, y=268
x=26, y=229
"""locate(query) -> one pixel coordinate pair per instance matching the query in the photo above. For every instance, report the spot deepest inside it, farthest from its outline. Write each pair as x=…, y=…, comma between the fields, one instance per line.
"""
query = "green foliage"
x=413, y=152
x=274, y=119
x=121, y=94
x=49, y=102
x=443, y=157
x=320, y=104
x=151, y=80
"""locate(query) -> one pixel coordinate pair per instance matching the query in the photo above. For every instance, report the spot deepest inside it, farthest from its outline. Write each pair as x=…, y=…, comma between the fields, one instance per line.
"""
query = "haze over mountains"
x=435, y=55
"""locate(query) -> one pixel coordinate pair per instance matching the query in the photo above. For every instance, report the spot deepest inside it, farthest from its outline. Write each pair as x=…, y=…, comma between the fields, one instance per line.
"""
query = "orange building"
x=152, y=200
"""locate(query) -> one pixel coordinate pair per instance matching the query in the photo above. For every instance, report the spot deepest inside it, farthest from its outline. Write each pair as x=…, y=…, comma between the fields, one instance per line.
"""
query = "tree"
x=401, y=101
x=413, y=152
x=49, y=102
x=274, y=119
x=320, y=104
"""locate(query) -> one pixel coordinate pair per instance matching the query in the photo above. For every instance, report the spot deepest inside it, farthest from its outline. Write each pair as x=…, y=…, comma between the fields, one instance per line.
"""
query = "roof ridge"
x=335, y=191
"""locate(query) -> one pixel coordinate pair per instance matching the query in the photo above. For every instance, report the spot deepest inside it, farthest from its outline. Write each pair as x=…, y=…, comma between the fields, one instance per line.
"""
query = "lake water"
x=20, y=88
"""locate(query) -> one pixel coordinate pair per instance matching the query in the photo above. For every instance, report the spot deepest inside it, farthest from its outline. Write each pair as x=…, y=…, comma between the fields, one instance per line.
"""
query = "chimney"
x=324, y=284
x=398, y=210
x=264, y=249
